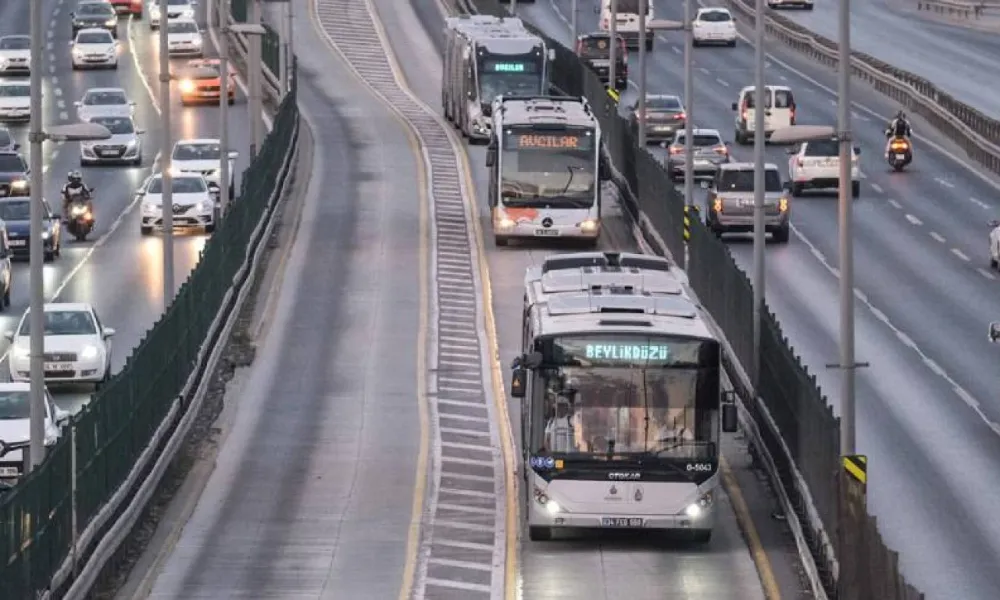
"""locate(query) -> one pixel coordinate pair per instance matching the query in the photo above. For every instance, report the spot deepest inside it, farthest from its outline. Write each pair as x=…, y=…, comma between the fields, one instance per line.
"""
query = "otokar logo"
x=624, y=475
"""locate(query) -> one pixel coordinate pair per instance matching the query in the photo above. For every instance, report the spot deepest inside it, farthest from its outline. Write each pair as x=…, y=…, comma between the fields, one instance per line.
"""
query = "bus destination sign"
x=500, y=66
x=639, y=351
x=550, y=141
x=626, y=352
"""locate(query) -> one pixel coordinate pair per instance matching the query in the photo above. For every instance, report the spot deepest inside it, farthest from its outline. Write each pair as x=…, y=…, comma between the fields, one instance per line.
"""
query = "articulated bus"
x=545, y=169
x=486, y=57
x=622, y=405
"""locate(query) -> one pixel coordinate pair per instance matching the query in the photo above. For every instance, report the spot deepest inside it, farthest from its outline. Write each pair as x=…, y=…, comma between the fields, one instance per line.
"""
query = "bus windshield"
x=549, y=169
x=620, y=399
x=509, y=76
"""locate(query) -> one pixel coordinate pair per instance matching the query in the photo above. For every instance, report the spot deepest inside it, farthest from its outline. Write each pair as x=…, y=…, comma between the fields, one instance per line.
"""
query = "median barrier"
x=64, y=520
x=795, y=435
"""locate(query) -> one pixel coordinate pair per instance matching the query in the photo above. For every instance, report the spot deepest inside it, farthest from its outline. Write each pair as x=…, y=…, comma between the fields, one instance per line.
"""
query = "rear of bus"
x=627, y=21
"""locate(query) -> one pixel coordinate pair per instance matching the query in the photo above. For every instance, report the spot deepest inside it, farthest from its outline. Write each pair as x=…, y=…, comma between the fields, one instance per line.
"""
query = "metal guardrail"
x=977, y=134
x=961, y=10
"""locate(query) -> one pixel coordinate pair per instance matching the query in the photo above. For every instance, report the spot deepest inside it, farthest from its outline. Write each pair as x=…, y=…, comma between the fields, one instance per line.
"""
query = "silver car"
x=731, y=201
x=710, y=151
x=104, y=102
x=124, y=146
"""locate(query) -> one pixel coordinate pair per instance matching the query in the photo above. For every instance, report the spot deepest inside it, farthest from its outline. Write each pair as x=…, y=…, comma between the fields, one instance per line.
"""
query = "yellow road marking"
x=767, y=579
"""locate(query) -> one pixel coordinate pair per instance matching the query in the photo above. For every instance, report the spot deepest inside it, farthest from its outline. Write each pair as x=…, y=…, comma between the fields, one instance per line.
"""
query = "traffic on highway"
x=103, y=271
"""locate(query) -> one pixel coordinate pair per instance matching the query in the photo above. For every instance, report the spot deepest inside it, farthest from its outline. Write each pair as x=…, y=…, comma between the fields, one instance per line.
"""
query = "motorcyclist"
x=75, y=189
x=898, y=127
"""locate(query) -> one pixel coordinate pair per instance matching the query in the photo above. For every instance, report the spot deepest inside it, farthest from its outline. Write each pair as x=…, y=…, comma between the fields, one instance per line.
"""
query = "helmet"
x=75, y=177
x=901, y=115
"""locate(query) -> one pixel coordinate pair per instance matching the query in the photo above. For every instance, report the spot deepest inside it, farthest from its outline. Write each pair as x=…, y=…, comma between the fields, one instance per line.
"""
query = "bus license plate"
x=621, y=522
x=547, y=232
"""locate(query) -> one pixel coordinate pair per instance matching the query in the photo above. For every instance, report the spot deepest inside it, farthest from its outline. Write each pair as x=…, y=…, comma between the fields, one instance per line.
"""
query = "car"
x=193, y=207
x=14, y=172
x=104, y=102
x=77, y=345
x=995, y=245
x=16, y=214
x=184, y=38
x=94, y=48
x=15, y=55
x=124, y=145
x=201, y=82
x=15, y=101
x=779, y=105
x=94, y=14
x=710, y=151
x=803, y=4
x=594, y=49
x=176, y=9
x=7, y=143
x=713, y=26
x=15, y=426
x=731, y=201
x=815, y=165
x=204, y=157
x=6, y=274
x=127, y=7
x=665, y=115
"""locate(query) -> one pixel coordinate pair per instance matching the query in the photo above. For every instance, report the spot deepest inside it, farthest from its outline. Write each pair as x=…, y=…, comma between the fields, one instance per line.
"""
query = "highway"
x=926, y=414
x=952, y=57
x=116, y=269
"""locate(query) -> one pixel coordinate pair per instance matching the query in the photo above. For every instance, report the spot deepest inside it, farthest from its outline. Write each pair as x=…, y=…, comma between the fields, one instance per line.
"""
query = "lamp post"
x=253, y=31
x=75, y=132
x=642, y=73
x=613, y=41
x=166, y=164
x=255, y=79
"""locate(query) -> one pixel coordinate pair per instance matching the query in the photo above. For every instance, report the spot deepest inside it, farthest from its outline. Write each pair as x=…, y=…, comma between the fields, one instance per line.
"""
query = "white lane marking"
x=986, y=274
x=722, y=82
x=877, y=188
x=959, y=254
x=705, y=71
x=678, y=51
x=52, y=68
x=944, y=182
x=138, y=66
x=55, y=80
x=895, y=204
x=52, y=23
x=979, y=203
x=913, y=220
x=937, y=237
x=783, y=78
x=57, y=92
x=212, y=32
x=64, y=116
x=859, y=116
x=55, y=12
x=51, y=33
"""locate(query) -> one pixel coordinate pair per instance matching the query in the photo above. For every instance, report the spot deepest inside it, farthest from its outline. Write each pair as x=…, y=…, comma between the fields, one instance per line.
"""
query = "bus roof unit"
x=535, y=110
x=497, y=35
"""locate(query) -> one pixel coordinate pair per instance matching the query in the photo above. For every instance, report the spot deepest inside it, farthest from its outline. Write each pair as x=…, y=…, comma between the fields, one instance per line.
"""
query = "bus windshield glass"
x=549, y=168
x=625, y=397
x=510, y=76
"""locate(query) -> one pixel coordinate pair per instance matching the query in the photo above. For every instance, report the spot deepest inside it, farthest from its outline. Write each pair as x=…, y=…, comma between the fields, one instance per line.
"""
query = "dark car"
x=594, y=49
x=7, y=143
x=13, y=175
x=664, y=117
x=16, y=213
x=91, y=15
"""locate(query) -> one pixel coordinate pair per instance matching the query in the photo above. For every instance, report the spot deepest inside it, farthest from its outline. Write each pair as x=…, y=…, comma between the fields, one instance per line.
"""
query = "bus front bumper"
x=587, y=230
x=540, y=517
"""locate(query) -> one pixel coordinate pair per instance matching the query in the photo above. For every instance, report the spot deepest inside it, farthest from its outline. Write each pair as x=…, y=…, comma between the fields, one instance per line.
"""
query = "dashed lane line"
x=878, y=189
x=986, y=274
x=913, y=220
x=979, y=203
x=722, y=82
x=937, y=237
x=944, y=182
x=895, y=204
x=960, y=254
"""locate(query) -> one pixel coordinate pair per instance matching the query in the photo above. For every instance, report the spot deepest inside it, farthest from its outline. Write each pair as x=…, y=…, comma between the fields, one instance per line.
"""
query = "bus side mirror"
x=730, y=414
x=518, y=382
x=995, y=331
x=491, y=157
x=604, y=170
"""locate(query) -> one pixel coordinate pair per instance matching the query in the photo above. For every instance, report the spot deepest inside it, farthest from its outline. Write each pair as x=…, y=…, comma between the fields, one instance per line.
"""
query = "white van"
x=628, y=21
x=779, y=111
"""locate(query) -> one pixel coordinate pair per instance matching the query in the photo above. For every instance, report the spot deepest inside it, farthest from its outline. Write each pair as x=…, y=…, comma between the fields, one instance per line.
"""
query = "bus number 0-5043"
x=699, y=467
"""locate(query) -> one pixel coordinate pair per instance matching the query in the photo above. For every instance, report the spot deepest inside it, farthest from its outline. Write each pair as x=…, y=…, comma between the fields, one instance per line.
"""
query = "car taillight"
x=717, y=205
x=722, y=150
x=676, y=150
x=792, y=118
x=679, y=117
x=783, y=204
x=745, y=112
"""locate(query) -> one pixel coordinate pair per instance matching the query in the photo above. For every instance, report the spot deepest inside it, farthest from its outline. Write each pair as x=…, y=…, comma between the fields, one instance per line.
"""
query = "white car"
x=995, y=245
x=713, y=26
x=15, y=426
x=176, y=9
x=15, y=101
x=94, y=48
x=104, y=102
x=15, y=54
x=124, y=145
x=204, y=157
x=184, y=38
x=815, y=165
x=193, y=205
x=77, y=346
x=803, y=4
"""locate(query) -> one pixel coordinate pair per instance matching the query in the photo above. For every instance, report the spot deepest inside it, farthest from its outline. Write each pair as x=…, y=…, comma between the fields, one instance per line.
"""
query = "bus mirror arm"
x=604, y=169
x=730, y=412
x=491, y=157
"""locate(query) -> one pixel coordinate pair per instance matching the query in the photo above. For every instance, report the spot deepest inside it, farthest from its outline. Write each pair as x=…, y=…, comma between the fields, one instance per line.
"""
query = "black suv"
x=95, y=15
x=13, y=175
x=594, y=49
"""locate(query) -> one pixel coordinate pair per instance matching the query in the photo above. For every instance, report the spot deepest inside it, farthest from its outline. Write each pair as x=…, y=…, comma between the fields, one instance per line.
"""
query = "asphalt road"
x=116, y=269
x=311, y=494
x=924, y=296
x=954, y=58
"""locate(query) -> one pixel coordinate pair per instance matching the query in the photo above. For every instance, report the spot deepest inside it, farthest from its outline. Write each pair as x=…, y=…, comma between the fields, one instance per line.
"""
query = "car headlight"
x=187, y=86
x=154, y=11
x=46, y=235
x=20, y=184
x=89, y=352
x=188, y=12
x=150, y=208
x=196, y=41
x=111, y=23
x=77, y=53
x=21, y=352
x=132, y=144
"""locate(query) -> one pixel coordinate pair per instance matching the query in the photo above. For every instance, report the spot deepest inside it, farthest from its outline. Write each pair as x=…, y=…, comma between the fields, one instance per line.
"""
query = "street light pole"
x=254, y=82
x=165, y=163
x=36, y=315
x=760, y=104
x=642, y=73
x=613, y=41
x=223, y=109
x=688, y=104
x=844, y=208
x=573, y=23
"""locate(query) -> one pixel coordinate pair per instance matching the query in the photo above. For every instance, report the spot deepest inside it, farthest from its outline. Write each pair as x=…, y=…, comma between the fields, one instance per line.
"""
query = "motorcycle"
x=81, y=219
x=900, y=153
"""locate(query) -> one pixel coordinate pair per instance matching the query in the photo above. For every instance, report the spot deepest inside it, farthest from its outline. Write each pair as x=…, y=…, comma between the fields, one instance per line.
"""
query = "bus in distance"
x=545, y=169
x=622, y=405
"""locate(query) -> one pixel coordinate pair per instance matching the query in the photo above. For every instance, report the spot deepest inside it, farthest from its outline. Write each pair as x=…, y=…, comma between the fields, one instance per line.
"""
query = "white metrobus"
x=545, y=169
x=622, y=405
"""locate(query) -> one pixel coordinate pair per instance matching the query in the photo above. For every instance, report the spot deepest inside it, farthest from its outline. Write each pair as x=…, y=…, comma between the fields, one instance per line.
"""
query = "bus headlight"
x=506, y=223
x=697, y=509
x=553, y=507
x=589, y=225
